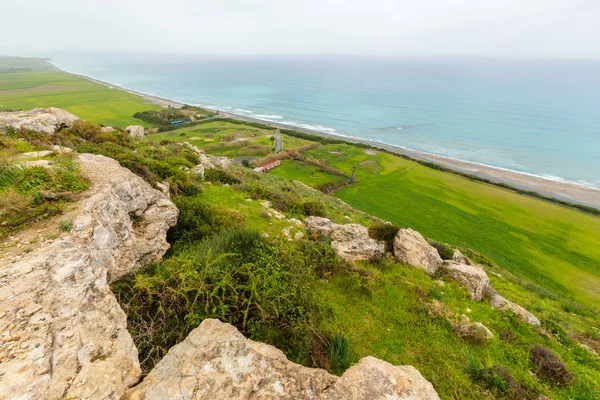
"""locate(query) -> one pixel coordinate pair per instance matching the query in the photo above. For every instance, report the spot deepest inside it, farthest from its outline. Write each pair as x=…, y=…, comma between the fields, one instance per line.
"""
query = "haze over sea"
x=538, y=116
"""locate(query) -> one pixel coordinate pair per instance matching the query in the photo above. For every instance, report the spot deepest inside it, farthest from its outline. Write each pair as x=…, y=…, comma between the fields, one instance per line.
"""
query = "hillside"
x=245, y=251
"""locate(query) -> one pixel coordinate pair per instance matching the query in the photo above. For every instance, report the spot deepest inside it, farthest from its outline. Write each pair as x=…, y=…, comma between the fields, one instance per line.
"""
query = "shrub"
x=218, y=175
x=549, y=366
x=235, y=276
x=386, y=233
x=313, y=208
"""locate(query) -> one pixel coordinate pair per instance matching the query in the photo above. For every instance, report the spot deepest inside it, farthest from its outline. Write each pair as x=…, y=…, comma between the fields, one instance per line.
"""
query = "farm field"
x=86, y=99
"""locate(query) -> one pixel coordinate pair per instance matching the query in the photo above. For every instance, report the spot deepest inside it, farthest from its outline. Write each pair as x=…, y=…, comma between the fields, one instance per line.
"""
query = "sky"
x=513, y=28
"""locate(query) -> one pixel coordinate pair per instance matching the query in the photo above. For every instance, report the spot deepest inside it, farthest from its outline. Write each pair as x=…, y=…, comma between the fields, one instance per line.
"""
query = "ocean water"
x=535, y=116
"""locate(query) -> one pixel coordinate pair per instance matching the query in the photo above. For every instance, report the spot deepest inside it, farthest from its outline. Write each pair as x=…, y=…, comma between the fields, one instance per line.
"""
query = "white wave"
x=227, y=108
x=244, y=111
x=267, y=116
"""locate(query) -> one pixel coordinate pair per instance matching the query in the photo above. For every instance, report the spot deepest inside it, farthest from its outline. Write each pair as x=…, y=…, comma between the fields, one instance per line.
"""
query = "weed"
x=549, y=366
x=339, y=353
x=66, y=225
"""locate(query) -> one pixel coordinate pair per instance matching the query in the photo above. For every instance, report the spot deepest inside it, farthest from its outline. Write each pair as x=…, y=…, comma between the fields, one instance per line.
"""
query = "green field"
x=305, y=173
x=549, y=244
x=87, y=100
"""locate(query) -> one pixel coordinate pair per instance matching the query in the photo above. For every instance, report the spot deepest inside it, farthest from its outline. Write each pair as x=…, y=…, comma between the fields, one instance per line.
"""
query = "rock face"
x=45, y=120
x=410, y=247
x=500, y=303
x=64, y=334
x=135, y=131
x=458, y=257
x=352, y=242
x=473, y=277
x=323, y=226
x=216, y=362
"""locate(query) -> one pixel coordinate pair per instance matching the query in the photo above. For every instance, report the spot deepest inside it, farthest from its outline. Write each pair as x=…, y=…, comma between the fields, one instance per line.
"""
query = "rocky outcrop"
x=45, y=120
x=322, y=226
x=458, y=257
x=350, y=241
x=63, y=334
x=473, y=277
x=500, y=303
x=216, y=361
x=410, y=247
x=135, y=131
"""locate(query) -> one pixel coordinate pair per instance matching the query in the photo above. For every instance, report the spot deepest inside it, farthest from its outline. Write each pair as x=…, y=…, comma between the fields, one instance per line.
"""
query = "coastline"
x=562, y=190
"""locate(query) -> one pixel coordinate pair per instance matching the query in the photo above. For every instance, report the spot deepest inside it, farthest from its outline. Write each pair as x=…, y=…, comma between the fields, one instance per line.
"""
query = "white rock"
x=215, y=361
x=323, y=226
x=44, y=120
x=458, y=257
x=500, y=303
x=135, y=131
x=352, y=242
x=473, y=277
x=58, y=297
x=410, y=247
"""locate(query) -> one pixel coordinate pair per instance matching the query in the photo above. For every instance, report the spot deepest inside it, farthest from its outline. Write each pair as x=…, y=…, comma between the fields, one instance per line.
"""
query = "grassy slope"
x=88, y=100
x=546, y=243
x=308, y=174
x=387, y=316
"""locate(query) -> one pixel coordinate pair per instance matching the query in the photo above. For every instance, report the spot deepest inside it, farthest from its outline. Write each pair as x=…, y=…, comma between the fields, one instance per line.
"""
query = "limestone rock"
x=135, y=131
x=215, y=361
x=352, y=242
x=44, y=120
x=198, y=171
x=500, y=303
x=107, y=129
x=482, y=329
x=323, y=226
x=458, y=257
x=165, y=188
x=67, y=334
x=473, y=277
x=410, y=247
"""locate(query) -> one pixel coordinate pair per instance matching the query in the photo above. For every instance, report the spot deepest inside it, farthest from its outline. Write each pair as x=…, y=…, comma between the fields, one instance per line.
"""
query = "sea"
x=535, y=116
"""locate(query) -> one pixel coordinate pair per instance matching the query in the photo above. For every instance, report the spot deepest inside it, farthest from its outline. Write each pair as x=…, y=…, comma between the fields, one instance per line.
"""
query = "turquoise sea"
x=538, y=116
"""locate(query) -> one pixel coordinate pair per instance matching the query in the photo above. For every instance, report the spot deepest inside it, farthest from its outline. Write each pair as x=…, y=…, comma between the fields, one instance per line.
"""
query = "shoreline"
x=561, y=190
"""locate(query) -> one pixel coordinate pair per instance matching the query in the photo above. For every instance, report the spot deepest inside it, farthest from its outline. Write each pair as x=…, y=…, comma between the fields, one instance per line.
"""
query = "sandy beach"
x=566, y=191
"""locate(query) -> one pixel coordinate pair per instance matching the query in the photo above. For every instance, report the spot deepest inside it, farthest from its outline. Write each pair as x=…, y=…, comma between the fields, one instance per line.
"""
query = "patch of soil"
x=37, y=89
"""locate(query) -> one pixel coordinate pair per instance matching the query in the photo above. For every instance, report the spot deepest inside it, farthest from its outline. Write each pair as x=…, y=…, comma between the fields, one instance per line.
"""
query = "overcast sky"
x=541, y=28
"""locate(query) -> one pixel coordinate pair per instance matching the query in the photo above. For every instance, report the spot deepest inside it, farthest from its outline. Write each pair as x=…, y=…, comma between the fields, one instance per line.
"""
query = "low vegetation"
x=230, y=259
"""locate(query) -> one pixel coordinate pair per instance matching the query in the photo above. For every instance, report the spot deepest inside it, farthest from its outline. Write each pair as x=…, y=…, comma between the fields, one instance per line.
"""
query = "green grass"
x=309, y=174
x=86, y=99
x=549, y=244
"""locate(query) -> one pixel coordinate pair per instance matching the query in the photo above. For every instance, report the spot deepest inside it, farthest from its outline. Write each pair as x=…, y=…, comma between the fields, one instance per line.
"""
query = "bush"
x=549, y=366
x=313, y=208
x=386, y=233
x=218, y=175
x=235, y=276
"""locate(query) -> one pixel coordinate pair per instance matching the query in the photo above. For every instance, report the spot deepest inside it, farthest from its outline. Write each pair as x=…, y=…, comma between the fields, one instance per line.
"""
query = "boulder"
x=135, y=131
x=500, y=303
x=352, y=242
x=64, y=334
x=198, y=171
x=473, y=277
x=44, y=120
x=323, y=226
x=482, y=330
x=410, y=247
x=107, y=129
x=458, y=257
x=215, y=361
